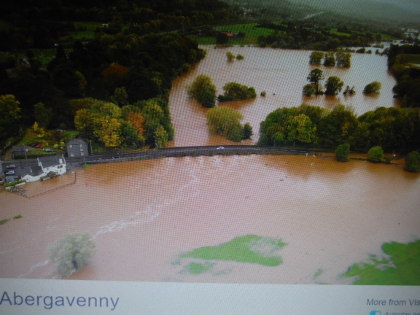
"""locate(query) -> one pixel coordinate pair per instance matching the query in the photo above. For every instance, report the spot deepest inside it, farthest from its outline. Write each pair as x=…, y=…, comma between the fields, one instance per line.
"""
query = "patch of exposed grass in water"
x=4, y=221
x=319, y=272
x=400, y=266
x=197, y=268
x=249, y=249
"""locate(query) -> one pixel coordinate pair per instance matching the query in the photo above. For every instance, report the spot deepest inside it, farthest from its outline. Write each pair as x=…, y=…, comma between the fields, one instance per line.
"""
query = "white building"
x=47, y=166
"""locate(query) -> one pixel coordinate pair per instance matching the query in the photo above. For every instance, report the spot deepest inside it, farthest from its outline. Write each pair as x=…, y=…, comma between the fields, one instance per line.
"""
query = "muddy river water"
x=282, y=74
x=143, y=215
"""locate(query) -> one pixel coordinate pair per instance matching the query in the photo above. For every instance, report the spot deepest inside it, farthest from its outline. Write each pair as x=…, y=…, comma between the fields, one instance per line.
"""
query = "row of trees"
x=54, y=20
x=376, y=155
x=307, y=34
x=394, y=129
x=203, y=91
x=334, y=85
x=402, y=61
x=331, y=59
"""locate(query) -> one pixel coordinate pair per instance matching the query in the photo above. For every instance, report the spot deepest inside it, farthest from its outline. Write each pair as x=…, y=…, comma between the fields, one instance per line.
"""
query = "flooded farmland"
x=148, y=218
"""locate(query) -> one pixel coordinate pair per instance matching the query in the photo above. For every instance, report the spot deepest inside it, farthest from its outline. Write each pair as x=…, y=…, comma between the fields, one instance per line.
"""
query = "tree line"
x=31, y=24
x=143, y=66
x=403, y=62
x=394, y=129
x=334, y=85
x=331, y=59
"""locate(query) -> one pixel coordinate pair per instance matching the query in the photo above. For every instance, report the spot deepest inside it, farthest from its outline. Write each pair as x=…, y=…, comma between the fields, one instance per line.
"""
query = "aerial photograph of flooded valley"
x=211, y=141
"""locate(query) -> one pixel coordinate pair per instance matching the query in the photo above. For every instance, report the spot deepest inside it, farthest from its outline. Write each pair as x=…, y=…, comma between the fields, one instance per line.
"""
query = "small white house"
x=47, y=165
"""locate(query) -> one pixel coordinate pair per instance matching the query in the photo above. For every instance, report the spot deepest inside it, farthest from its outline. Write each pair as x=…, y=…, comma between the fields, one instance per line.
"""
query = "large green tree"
x=412, y=162
x=342, y=152
x=314, y=77
x=300, y=129
x=333, y=85
x=203, y=90
x=375, y=154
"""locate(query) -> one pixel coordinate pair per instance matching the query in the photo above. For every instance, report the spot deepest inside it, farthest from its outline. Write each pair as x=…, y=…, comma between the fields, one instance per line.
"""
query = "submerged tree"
x=376, y=154
x=230, y=56
x=372, y=88
x=412, y=162
x=314, y=77
x=329, y=59
x=349, y=91
x=203, y=90
x=333, y=85
x=71, y=253
x=342, y=152
x=316, y=57
x=235, y=91
x=225, y=121
x=343, y=59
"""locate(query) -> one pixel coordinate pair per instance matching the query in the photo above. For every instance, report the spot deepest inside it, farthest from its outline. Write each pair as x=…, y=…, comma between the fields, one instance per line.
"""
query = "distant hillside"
x=402, y=11
x=395, y=10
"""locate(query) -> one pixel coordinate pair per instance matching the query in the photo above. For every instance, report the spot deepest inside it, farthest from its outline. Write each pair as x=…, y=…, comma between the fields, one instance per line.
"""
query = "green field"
x=400, y=266
x=334, y=31
x=250, y=30
x=248, y=249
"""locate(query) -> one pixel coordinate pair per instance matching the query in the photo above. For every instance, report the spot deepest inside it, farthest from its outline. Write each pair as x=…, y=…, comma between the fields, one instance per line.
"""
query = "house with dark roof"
x=53, y=164
x=77, y=148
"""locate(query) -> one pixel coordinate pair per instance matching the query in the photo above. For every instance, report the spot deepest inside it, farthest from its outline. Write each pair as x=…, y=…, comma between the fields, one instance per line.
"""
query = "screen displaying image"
x=228, y=142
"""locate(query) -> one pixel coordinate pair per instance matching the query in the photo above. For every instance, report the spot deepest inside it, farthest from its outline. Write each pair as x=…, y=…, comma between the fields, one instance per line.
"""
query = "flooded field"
x=282, y=74
x=293, y=219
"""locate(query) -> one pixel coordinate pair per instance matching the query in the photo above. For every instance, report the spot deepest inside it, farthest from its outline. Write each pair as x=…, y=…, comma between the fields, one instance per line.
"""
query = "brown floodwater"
x=282, y=74
x=143, y=215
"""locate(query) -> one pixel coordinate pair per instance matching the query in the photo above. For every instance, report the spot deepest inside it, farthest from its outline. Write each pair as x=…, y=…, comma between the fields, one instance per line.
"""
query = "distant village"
x=22, y=170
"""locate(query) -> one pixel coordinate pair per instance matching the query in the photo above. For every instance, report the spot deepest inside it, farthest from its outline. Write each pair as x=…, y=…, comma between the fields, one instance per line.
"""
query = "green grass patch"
x=17, y=217
x=16, y=182
x=400, y=266
x=4, y=221
x=197, y=268
x=250, y=29
x=249, y=249
x=334, y=31
x=319, y=272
